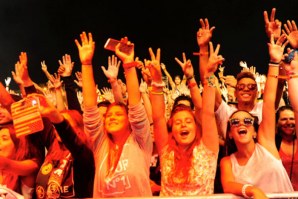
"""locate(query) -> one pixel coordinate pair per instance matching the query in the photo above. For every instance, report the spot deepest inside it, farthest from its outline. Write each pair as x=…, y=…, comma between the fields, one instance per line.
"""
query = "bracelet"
x=285, y=77
x=112, y=80
x=189, y=78
x=200, y=53
x=211, y=81
x=130, y=64
x=243, y=190
x=158, y=85
x=156, y=93
x=274, y=64
x=191, y=85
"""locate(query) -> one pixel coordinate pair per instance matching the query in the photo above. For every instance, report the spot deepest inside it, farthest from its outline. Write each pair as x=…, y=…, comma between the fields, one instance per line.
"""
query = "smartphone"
x=112, y=43
x=26, y=116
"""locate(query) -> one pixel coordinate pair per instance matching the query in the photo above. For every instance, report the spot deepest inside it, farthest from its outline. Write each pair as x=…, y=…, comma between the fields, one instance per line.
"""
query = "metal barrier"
x=292, y=195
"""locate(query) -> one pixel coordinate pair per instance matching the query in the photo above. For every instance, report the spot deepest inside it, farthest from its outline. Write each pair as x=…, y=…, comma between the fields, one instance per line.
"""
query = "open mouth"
x=184, y=133
x=242, y=132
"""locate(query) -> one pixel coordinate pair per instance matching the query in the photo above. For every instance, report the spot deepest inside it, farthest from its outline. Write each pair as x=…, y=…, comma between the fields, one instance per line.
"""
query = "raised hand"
x=272, y=26
x=113, y=68
x=204, y=34
x=21, y=75
x=79, y=81
x=65, y=66
x=57, y=83
x=143, y=86
x=107, y=94
x=276, y=49
x=7, y=81
x=292, y=33
x=186, y=66
x=146, y=75
x=126, y=58
x=86, y=48
x=44, y=67
x=154, y=65
x=214, y=58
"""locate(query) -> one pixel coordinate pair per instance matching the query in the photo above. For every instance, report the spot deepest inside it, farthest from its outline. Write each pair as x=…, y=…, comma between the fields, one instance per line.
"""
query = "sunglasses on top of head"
x=251, y=87
x=246, y=121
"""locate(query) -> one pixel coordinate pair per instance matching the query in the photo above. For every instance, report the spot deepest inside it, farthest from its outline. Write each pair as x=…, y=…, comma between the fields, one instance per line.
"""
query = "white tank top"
x=262, y=170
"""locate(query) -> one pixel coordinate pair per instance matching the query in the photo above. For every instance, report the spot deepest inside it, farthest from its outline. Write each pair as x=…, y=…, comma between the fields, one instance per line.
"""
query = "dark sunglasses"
x=246, y=121
x=251, y=87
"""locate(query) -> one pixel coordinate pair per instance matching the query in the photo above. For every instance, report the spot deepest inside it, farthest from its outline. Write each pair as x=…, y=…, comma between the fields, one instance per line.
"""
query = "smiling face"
x=7, y=147
x=242, y=127
x=246, y=91
x=184, y=128
x=116, y=120
x=286, y=122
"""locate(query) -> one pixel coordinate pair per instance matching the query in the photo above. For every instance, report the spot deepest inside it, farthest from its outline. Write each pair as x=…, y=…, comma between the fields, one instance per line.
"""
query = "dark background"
x=46, y=30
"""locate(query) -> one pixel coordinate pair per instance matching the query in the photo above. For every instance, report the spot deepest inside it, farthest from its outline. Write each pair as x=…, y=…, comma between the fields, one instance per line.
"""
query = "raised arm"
x=195, y=92
x=157, y=98
x=65, y=71
x=86, y=51
x=209, y=127
x=266, y=132
x=129, y=66
x=170, y=79
x=292, y=68
x=112, y=73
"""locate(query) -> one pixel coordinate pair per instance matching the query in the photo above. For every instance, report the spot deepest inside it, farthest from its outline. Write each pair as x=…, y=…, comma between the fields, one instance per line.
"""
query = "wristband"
x=158, y=85
x=200, y=53
x=112, y=80
x=189, y=78
x=191, y=85
x=130, y=64
x=156, y=93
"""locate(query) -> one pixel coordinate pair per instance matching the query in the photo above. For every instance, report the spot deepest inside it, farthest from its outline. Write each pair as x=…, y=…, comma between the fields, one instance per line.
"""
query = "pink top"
x=131, y=177
x=287, y=162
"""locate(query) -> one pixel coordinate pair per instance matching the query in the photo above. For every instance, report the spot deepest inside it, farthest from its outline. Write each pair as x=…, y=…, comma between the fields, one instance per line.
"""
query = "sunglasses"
x=246, y=121
x=251, y=87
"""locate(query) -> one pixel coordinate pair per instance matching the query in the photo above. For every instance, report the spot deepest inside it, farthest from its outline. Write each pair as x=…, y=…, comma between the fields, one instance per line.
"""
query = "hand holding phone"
x=112, y=43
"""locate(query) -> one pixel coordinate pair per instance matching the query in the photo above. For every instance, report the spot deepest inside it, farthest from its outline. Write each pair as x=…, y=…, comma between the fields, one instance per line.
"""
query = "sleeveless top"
x=201, y=175
x=287, y=162
x=262, y=170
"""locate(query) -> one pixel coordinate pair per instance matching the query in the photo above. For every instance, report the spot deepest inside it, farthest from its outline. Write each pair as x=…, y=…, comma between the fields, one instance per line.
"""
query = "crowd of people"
x=151, y=134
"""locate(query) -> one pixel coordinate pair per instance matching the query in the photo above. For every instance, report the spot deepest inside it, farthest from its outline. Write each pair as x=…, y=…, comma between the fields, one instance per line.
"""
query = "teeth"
x=242, y=131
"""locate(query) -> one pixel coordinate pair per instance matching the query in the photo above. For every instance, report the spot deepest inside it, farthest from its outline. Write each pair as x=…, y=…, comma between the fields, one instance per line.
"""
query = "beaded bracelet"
x=243, y=190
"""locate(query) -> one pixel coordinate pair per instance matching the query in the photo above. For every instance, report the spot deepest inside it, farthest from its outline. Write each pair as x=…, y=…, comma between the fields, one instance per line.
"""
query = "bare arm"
x=266, y=132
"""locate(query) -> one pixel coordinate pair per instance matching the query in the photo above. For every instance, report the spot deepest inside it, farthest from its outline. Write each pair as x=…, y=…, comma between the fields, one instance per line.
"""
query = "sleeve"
x=71, y=94
x=140, y=124
x=93, y=125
